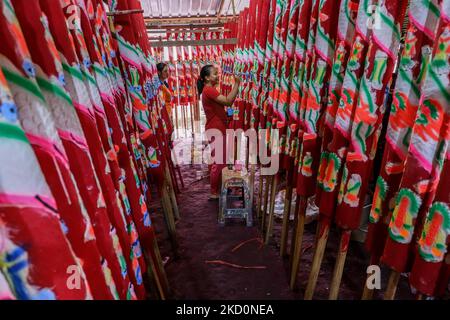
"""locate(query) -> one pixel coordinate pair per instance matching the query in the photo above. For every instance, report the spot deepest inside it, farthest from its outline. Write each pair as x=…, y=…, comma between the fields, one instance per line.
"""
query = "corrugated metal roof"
x=190, y=8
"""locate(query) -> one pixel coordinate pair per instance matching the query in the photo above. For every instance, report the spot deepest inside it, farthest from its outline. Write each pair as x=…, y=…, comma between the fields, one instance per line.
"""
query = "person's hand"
x=237, y=80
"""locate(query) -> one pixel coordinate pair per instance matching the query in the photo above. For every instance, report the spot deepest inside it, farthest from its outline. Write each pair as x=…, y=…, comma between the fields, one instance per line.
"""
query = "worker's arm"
x=229, y=100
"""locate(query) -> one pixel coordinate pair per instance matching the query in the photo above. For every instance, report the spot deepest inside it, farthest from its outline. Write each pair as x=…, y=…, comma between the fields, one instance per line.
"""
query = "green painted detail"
x=53, y=88
x=391, y=24
x=325, y=37
x=128, y=46
x=406, y=78
x=10, y=131
x=444, y=91
x=23, y=82
x=432, y=7
x=89, y=77
x=8, y=4
x=73, y=71
x=99, y=69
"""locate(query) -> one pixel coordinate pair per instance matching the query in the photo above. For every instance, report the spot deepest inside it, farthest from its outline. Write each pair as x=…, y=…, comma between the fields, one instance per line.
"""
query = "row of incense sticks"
x=82, y=129
x=350, y=85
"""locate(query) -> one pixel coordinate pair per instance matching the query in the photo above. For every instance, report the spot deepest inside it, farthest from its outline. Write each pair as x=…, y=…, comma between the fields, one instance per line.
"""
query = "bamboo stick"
x=192, y=120
x=173, y=198
x=286, y=216
x=260, y=194
x=339, y=265
x=183, y=108
x=272, y=208
x=267, y=183
x=161, y=270
x=153, y=273
x=297, y=238
x=176, y=121
x=169, y=217
x=368, y=293
x=252, y=186
x=391, y=289
x=323, y=230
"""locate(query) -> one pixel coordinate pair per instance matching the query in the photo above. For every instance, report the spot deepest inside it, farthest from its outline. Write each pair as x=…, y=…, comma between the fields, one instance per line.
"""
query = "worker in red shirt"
x=214, y=105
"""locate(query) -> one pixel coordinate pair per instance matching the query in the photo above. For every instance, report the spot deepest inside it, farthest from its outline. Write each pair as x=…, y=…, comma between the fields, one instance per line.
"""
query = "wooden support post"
x=297, y=238
x=391, y=289
x=339, y=265
x=272, y=208
x=323, y=230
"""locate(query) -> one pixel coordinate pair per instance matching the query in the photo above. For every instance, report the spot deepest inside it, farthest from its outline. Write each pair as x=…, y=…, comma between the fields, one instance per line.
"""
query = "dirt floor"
x=201, y=241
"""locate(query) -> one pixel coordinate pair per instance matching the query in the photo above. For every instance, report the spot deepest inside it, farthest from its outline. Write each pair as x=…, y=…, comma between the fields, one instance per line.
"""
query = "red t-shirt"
x=216, y=117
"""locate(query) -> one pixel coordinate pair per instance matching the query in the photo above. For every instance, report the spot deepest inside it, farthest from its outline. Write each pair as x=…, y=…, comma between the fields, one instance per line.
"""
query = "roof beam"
x=187, y=20
x=186, y=43
x=186, y=31
x=123, y=12
x=185, y=26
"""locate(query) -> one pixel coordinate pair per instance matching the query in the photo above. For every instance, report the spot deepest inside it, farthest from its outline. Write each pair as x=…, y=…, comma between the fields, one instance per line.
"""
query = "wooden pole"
x=252, y=184
x=272, y=208
x=391, y=289
x=160, y=267
x=173, y=198
x=260, y=194
x=267, y=183
x=155, y=275
x=192, y=133
x=185, y=119
x=177, y=170
x=170, y=220
x=192, y=120
x=323, y=229
x=340, y=263
x=176, y=121
x=368, y=293
x=297, y=237
x=286, y=216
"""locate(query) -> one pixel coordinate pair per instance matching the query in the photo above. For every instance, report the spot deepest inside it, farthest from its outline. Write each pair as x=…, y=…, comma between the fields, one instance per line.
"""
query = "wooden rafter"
x=123, y=12
x=184, y=26
x=186, y=31
x=186, y=43
x=188, y=20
